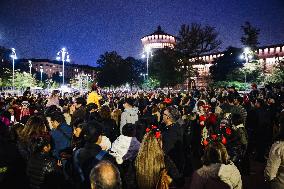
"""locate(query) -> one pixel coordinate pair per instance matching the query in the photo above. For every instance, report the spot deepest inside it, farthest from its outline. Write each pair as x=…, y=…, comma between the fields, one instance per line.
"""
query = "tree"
x=136, y=68
x=277, y=75
x=250, y=35
x=225, y=65
x=195, y=40
x=112, y=70
x=23, y=80
x=165, y=67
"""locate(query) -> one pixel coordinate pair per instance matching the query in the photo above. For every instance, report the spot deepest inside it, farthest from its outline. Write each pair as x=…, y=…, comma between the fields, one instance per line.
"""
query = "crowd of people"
x=141, y=139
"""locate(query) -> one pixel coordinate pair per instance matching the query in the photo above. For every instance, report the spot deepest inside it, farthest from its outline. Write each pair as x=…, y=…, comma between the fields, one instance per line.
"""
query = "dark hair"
x=105, y=175
x=94, y=87
x=92, y=106
x=78, y=123
x=105, y=112
x=237, y=119
x=240, y=99
x=57, y=116
x=174, y=113
x=39, y=142
x=129, y=101
x=92, y=130
x=215, y=153
x=129, y=130
x=81, y=100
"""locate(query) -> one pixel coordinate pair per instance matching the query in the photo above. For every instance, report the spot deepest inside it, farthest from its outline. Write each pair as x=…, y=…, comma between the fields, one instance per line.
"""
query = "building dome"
x=158, y=40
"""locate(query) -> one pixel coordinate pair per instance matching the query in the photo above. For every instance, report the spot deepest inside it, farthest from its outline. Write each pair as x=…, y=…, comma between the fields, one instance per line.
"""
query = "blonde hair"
x=149, y=161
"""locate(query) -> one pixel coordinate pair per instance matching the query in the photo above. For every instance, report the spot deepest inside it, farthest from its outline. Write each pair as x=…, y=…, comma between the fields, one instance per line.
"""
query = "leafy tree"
x=166, y=68
x=136, y=68
x=225, y=65
x=23, y=80
x=195, y=40
x=250, y=35
x=277, y=75
x=113, y=70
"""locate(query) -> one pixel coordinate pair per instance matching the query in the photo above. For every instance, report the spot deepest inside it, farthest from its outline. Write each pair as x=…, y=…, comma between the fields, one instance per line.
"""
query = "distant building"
x=51, y=67
x=267, y=56
x=159, y=39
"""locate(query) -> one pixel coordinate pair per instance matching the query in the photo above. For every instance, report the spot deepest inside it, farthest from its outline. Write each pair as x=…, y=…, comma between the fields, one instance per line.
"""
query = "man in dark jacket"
x=91, y=154
x=173, y=137
x=80, y=110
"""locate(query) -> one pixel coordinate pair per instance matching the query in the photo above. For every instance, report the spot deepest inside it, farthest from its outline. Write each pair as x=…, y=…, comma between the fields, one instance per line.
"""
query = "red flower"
x=205, y=142
x=148, y=130
x=154, y=127
x=224, y=140
x=214, y=137
x=228, y=131
x=168, y=100
x=202, y=118
x=158, y=134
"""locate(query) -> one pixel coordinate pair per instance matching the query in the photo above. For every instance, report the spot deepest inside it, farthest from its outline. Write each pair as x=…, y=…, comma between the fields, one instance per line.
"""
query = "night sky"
x=88, y=28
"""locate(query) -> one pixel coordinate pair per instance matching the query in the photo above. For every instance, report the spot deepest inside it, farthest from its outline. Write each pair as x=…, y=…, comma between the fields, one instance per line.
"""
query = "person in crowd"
x=61, y=133
x=241, y=110
x=217, y=170
x=105, y=175
x=173, y=137
x=78, y=136
x=79, y=109
x=94, y=96
x=25, y=112
x=42, y=169
x=126, y=146
x=116, y=115
x=27, y=92
x=110, y=130
x=66, y=114
x=91, y=154
x=274, y=170
x=130, y=113
x=53, y=99
x=34, y=126
x=152, y=166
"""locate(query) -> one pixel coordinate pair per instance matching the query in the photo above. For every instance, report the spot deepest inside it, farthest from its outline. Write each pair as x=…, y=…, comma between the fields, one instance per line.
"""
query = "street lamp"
x=148, y=51
x=30, y=66
x=142, y=74
x=13, y=56
x=41, y=70
x=64, y=57
x=247, y=56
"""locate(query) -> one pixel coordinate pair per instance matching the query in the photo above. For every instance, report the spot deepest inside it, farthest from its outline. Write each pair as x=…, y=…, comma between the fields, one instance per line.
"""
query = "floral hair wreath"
x=155, y=130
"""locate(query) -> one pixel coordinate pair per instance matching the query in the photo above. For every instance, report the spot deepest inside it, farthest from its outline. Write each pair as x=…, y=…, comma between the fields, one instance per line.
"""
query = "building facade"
x=51, y=67
x=158, y=40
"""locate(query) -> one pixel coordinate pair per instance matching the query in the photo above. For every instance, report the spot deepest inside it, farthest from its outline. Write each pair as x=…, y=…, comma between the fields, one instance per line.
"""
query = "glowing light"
x=247, y=50
x=148, y=49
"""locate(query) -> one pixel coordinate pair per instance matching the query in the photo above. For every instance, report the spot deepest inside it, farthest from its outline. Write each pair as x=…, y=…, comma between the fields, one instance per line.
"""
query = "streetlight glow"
x=13, y=56
x=64, y=57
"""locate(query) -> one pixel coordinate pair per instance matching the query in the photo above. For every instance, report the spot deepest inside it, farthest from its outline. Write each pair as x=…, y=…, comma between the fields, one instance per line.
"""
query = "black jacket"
x=173, y=144
x=43, y=172
x=87, y=161
x=110, y=129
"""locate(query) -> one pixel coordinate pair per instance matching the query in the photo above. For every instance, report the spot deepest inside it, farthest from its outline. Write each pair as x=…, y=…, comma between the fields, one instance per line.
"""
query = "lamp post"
x=148, y=51
x=30, y=66
x=13, y=56
x=41, y=70
x=64, y=57
x=142, y=74
x=247, y=56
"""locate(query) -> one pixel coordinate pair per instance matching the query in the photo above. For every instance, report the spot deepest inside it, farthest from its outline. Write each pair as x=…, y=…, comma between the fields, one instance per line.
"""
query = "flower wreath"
x=155, y=130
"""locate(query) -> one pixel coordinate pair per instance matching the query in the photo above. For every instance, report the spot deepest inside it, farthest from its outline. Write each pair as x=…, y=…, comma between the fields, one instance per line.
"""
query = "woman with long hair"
x=34, y=126
x=151, y=162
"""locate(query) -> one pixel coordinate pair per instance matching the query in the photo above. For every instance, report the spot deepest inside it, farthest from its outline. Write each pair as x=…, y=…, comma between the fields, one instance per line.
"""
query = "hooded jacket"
x=130, y=115
x=217, y=175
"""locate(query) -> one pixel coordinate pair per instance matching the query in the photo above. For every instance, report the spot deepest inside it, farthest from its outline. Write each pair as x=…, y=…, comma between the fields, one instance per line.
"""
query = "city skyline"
x=39, y=29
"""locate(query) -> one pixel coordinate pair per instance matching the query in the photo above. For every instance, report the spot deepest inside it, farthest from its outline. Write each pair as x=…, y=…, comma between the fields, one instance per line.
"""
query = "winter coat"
x=86, y=160
x=79, y=113
x=61, y=138
x=173, y=144
x=124, y=148
x=130, y=115
x=217, y=175
x=43, y=172
x=274, y=170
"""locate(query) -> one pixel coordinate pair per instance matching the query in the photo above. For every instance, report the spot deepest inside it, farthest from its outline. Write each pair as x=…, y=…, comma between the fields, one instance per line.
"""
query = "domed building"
x=158, y=40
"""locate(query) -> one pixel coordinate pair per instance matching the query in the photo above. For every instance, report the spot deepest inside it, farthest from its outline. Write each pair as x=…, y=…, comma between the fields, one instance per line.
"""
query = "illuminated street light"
x=246, y=55
x=13, y=56
x=148, y=51
x=64, y=57
x=41, y=71
x=30, y=66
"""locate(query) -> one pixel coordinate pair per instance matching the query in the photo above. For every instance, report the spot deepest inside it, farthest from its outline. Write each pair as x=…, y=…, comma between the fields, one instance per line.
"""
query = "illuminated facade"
x=159, y=39
x=51, y=67
x=268, y=56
